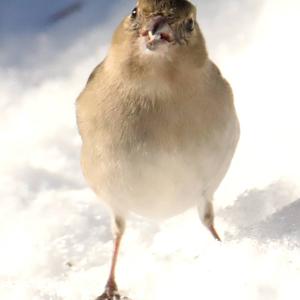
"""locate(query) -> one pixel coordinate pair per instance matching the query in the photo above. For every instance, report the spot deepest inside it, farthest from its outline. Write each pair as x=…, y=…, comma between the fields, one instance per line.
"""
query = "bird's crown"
x=153, y=6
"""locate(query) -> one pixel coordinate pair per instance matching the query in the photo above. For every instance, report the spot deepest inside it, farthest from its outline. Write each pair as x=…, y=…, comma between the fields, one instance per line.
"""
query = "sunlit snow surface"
x=55, y=240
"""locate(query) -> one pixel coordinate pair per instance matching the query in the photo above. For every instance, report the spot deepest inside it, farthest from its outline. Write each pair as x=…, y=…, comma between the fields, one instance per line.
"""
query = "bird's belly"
x=161, y=188
x=157, y=171
x=156, y=186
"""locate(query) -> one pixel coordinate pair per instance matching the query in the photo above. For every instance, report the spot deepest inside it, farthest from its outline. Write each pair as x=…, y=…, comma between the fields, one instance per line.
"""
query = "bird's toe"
x=112, y=296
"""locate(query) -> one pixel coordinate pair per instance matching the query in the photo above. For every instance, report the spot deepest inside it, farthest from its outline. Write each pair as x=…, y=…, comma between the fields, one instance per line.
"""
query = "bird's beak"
x=157, y=31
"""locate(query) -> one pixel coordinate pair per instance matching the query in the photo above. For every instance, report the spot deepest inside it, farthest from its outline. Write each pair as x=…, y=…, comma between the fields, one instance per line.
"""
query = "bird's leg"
x=207, y=218
x=111, y=288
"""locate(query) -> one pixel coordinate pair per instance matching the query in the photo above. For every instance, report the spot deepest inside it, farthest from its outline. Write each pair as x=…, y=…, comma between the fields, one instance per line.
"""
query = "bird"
x=157, y=121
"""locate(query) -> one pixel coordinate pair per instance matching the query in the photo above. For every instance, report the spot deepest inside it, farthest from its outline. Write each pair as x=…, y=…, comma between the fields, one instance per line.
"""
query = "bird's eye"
x=134, y=13
x=190, y=25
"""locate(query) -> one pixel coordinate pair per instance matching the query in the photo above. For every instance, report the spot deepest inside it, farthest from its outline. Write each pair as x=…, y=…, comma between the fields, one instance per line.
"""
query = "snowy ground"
x=55, y=238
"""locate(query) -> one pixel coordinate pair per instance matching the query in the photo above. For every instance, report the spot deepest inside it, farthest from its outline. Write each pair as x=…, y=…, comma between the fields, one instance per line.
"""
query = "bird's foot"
x=214, y=233
x=112, y=295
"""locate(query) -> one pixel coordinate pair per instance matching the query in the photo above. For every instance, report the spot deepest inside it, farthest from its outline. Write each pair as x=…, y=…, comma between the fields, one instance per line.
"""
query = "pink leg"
x=111, y=288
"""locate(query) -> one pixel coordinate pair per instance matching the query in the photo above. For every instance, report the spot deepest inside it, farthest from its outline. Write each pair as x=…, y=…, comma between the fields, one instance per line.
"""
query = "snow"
x=55, y=239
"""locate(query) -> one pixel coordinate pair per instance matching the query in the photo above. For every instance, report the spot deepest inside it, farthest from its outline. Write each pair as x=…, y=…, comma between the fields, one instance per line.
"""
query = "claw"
x=111, y=295
x=214, y=233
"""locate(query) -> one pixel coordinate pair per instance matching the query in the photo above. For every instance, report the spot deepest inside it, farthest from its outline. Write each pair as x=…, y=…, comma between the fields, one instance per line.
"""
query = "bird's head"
x=160, y=30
